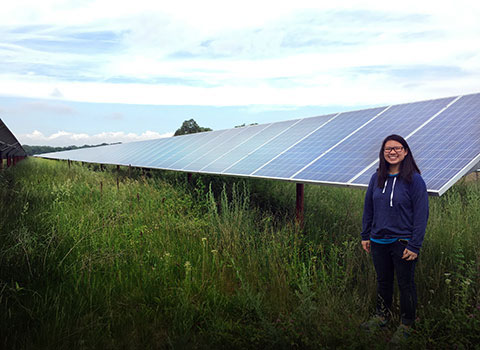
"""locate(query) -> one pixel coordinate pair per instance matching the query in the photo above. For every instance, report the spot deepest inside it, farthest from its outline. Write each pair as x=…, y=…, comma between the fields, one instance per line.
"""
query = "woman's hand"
x=366, y=245
x=409, y=255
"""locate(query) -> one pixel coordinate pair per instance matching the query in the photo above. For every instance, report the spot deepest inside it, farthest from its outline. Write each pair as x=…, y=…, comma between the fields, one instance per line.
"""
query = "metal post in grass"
x=69, y=163
x=299, y=208
x=9, y=161
x=118, y=174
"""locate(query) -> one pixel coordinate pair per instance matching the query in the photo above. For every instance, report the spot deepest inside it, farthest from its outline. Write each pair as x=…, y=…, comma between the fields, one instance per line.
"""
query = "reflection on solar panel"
x=340, y=149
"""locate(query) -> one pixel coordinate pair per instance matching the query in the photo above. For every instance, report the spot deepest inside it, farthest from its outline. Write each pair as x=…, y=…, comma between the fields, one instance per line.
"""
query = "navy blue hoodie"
x=398, y=210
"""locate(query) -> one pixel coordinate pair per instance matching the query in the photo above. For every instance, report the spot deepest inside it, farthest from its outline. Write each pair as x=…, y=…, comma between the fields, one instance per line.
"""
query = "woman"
x=394, y=221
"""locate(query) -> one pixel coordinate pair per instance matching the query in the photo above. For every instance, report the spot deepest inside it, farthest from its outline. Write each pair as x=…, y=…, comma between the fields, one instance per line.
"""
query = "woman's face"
x=394, y=152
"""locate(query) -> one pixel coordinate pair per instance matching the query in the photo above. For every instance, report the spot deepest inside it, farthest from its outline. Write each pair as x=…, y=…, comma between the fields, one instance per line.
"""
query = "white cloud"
x=250, y=52
x=64, y=138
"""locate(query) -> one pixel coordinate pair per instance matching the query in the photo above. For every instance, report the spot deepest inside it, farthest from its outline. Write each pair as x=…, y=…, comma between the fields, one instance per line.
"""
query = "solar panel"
x=337, y=149
x=198, y=159
x=236, y=154
x=204, y=155
x=192, y=144
x=276, y=145
x=450, y=146
x=316, y=144
x=177, y=148
x=9, y=145
x=355, y=153
x=145, y=153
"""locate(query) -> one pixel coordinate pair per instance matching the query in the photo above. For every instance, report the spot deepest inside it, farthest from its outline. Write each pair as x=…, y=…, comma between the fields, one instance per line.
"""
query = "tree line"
x=31, y=150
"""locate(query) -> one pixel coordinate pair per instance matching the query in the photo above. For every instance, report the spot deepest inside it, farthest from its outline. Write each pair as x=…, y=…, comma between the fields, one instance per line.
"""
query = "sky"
x=92, y=71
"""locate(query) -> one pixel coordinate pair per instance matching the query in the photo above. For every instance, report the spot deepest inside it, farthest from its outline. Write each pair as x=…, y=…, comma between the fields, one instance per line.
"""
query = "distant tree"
x=190, y=127
x=241, y=126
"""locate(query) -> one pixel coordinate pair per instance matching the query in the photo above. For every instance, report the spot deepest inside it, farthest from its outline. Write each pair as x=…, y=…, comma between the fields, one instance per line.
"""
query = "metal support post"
x=118, y=181
x=299, y=209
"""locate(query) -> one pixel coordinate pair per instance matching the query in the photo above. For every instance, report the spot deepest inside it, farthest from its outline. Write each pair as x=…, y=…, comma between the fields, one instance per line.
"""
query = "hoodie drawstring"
x=393, y=189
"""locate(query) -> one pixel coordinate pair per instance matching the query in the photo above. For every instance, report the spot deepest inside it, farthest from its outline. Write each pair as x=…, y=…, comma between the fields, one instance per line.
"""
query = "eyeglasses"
x=396, y=149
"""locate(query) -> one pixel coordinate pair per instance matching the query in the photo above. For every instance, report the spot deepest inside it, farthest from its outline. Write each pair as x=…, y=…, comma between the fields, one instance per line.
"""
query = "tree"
x=190, y=127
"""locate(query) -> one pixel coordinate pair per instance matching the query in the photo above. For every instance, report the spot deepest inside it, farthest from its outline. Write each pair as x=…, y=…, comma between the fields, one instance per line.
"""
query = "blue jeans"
x=387, y=258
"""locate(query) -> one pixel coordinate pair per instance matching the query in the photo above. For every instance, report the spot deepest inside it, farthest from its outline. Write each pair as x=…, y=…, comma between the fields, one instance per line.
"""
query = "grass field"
x=157, y=263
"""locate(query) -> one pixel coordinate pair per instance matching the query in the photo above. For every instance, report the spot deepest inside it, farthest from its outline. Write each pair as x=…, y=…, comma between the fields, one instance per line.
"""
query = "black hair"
x=407, y=167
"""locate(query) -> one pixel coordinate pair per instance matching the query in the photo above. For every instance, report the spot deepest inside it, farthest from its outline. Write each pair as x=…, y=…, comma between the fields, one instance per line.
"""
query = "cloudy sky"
x=91, y=71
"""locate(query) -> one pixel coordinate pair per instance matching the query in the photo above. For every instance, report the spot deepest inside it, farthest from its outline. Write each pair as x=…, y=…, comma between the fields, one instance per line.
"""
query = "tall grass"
x=157, y=263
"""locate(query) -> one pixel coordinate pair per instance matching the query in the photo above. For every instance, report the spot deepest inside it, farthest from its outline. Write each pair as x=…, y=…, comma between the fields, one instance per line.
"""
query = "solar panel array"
x=9, y=145
x=340, y=149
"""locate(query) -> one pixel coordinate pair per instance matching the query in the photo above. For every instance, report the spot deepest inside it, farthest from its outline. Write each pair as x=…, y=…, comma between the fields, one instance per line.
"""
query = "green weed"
x=107, y=258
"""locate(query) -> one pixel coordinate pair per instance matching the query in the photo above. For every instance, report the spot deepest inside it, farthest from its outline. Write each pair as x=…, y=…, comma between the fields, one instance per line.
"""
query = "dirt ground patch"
x=474, y=176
